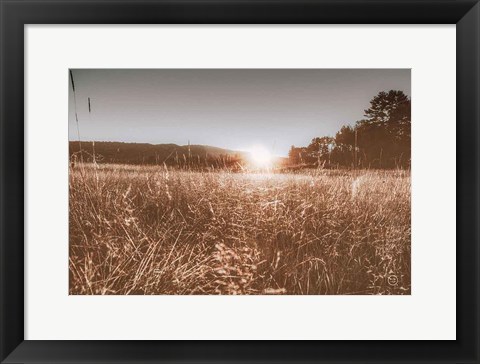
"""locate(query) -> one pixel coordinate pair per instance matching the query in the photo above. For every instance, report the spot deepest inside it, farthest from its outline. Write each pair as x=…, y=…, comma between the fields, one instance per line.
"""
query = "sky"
x=228, y=108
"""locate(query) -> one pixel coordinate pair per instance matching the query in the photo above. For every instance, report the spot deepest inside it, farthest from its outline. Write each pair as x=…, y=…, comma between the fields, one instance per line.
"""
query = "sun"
x=260, y=156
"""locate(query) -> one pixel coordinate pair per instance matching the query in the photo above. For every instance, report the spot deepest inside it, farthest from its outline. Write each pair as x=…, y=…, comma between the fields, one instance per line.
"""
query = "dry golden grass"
x=149, y=230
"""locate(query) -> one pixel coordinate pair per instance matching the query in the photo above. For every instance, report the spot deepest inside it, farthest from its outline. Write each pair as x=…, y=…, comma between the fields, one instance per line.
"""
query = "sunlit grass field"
x=153, y=230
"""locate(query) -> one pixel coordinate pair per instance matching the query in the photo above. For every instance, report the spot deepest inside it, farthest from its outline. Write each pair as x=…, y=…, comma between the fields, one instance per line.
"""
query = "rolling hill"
x=144, y=153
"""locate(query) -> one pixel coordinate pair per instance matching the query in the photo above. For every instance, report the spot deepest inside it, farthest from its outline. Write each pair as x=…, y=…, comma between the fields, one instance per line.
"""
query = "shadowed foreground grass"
x=149, y=230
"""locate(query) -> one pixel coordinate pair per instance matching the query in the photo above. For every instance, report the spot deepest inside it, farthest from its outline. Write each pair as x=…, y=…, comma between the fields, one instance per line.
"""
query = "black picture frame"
x=16, y=13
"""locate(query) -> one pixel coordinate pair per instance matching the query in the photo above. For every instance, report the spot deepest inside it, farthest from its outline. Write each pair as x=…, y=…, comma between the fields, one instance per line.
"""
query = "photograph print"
x=239, y=181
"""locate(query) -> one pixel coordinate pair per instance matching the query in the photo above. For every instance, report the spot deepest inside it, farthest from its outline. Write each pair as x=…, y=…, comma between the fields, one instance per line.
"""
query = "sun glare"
x=260, y=156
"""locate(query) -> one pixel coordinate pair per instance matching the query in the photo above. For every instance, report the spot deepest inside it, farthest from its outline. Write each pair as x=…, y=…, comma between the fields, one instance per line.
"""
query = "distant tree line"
x=179, y=156
x=381, y=140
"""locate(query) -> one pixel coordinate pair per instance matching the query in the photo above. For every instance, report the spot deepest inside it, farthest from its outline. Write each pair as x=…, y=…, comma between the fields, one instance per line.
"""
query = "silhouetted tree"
x=297, y=155
x=384, y=137
x=343, y=153
x=320, y=148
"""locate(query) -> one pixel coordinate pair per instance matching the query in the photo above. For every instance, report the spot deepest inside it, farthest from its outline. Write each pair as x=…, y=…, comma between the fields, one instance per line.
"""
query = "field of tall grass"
x=153, y=230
